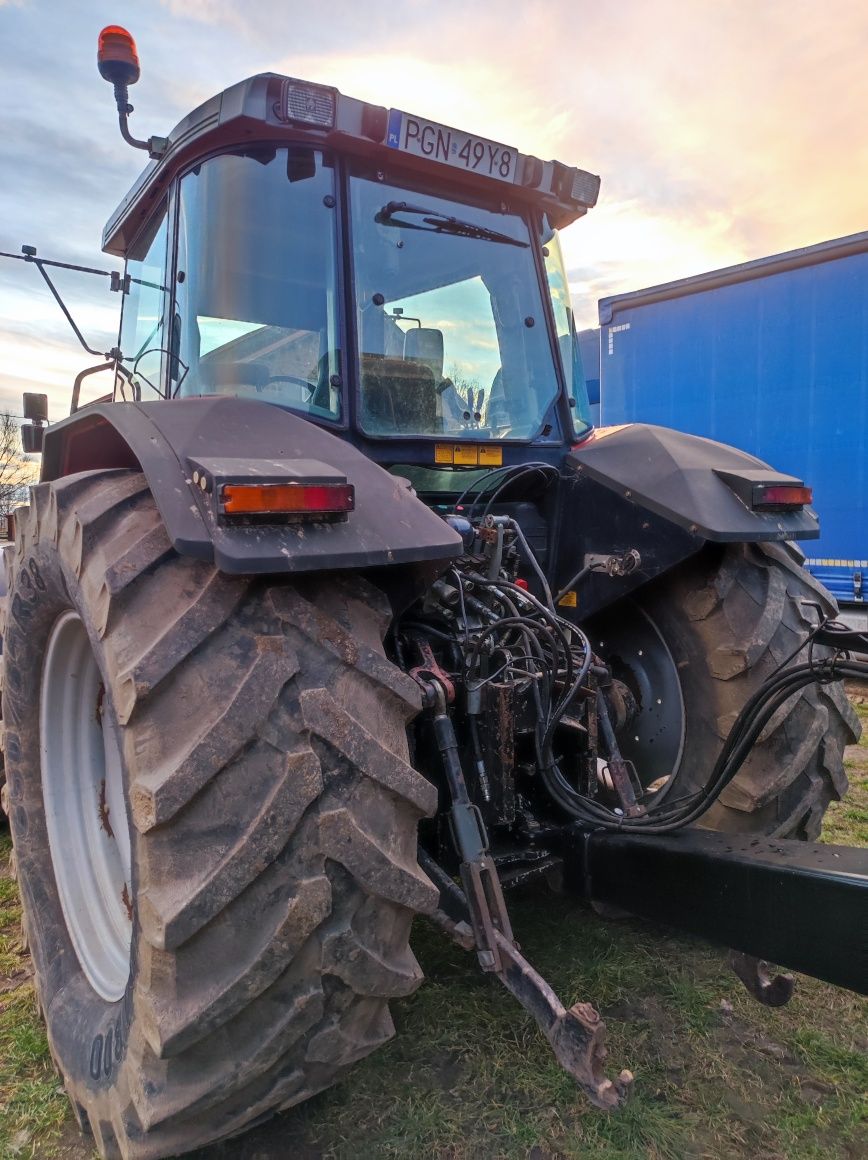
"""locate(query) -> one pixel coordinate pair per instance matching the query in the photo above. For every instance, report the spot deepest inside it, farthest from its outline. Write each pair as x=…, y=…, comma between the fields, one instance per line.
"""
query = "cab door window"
x=256, y=309
x=143, y=322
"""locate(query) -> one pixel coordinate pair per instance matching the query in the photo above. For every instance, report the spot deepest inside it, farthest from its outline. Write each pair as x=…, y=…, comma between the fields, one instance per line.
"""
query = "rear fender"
x=663, y=495
x=164, y=440
x=689, y=480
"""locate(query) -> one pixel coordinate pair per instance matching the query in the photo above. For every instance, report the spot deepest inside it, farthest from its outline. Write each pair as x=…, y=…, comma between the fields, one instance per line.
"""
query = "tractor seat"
x=232, y=378
x=398, y=395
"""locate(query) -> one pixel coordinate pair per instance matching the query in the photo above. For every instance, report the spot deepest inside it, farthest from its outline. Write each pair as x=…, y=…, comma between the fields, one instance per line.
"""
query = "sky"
x=723, y=130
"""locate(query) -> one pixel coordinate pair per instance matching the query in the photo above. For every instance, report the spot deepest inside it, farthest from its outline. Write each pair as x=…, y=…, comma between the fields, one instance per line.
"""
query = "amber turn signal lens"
x=246, y=499
x=780, y=497
x=116, y=56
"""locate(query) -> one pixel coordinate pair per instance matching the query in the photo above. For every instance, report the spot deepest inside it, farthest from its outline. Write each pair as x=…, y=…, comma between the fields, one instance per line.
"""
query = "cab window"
x=255, y=294
x=143, y=329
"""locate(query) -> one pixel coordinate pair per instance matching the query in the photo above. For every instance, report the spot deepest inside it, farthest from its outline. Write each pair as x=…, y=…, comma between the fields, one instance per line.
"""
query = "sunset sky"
x=723, y=130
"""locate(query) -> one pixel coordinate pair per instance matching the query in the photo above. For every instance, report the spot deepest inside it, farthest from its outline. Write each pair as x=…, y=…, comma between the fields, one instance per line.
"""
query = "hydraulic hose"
x=749, y=724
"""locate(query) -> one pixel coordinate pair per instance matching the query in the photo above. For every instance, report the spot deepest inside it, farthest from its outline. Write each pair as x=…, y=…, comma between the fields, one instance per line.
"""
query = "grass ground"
x=468, y=1077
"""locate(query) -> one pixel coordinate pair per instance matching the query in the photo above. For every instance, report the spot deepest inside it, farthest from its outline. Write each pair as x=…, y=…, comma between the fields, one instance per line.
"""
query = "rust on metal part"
x=430, y=670
x=754, y=973
x=576, y=1035
x=460, y=932
x=104, y=811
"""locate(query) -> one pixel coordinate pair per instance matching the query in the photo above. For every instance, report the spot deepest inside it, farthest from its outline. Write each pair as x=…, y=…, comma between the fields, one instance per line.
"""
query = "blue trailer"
x=770, y=356
x=589, y=348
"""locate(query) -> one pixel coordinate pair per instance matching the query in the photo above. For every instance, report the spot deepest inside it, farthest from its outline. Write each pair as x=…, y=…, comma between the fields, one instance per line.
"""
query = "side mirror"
x=32, y=438
x=36, y=407
x=33, y=433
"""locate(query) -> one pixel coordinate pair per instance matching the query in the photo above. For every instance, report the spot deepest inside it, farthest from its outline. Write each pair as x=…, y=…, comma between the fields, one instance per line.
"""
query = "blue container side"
x=777, y=365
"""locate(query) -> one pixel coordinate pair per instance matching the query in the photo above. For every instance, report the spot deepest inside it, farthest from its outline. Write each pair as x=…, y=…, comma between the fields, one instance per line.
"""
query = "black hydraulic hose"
x=478, y=758
x=537, y=735
x=419, y=626
x=506, y=622
x=534, y=563
x=454, y=573
x=562, y=707
x=510, y=471
x=750, y=723
x=511, y=608
x=532, y=643
x=475, y=487
x=525, y=469
x=553, y=618
x=525, y=628
x=538, y=605
x=574, y=581
x=548, y=631
x=748, y=729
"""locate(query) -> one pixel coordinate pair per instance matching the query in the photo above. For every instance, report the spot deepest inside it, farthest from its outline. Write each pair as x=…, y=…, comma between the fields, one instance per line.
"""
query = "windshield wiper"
x=441, y=223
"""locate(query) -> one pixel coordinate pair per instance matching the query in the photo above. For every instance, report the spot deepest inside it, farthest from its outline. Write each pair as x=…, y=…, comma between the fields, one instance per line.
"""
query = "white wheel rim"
x=85, y=808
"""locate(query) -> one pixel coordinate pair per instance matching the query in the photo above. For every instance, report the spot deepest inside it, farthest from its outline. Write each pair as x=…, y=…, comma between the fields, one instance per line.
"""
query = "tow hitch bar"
x=477, y=917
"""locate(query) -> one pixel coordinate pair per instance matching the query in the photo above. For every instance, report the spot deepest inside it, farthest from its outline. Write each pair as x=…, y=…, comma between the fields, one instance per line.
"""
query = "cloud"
x=722, y=131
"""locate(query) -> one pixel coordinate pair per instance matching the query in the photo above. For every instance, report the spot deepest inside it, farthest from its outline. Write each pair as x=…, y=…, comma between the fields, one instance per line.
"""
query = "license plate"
x=451, y=146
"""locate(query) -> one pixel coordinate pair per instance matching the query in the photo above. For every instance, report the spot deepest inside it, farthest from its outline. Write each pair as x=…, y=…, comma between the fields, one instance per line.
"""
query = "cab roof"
x=281, y=109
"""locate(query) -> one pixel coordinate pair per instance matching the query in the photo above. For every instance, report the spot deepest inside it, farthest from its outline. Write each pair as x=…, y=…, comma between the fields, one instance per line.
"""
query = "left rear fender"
x=167, y=440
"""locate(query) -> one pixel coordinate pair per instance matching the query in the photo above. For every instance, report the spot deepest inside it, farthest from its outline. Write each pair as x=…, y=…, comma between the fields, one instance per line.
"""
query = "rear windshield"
x=452, y=330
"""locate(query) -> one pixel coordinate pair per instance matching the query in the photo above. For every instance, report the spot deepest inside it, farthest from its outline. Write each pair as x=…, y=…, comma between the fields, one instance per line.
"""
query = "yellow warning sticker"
x=569, y=600
x=490, y=456
x=468, y=455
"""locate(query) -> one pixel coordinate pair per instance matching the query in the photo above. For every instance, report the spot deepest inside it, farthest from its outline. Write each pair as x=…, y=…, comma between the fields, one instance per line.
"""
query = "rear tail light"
x=287, y=499
x=780, y=497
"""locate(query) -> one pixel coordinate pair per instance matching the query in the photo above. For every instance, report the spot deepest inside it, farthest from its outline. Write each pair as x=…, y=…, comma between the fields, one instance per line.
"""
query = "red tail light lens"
x=288, y=499
x=780, y=497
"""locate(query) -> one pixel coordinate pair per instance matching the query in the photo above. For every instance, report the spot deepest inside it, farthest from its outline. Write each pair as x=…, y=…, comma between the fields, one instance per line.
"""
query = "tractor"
x=337, y=610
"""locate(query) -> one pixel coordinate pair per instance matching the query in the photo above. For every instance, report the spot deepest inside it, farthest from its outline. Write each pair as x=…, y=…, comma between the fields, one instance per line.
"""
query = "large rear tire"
x=709, y=634
x=271, y=810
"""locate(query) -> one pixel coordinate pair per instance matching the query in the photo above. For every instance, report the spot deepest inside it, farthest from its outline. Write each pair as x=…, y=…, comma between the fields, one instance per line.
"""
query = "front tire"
x=271, y=813
x=723, y=622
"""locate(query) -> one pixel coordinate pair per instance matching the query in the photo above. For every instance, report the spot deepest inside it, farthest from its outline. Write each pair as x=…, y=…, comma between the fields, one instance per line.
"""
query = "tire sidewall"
x=731, y=617
x=700, y=692
x=87, y=1035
